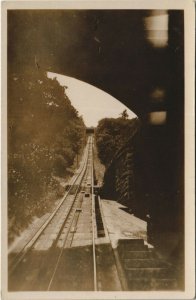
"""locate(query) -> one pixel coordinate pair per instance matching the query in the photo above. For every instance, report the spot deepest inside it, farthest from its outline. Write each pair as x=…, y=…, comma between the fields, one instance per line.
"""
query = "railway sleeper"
x=74, y=189
x=100, y=232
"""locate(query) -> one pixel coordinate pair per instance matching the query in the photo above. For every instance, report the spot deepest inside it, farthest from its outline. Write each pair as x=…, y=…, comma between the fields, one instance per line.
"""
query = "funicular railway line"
x=72, y=249
x=56, y=234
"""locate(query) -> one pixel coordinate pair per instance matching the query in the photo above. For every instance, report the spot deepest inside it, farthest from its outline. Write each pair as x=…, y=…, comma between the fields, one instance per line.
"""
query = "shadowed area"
x=106, y=48
x=74, y=273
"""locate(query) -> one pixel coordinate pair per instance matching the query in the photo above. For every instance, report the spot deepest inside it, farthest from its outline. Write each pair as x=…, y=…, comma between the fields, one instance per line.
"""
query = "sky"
x=92, y=103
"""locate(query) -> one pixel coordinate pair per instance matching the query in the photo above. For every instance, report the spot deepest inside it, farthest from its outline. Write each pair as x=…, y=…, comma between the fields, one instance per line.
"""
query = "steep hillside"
x=112, y=134
x=45, y=135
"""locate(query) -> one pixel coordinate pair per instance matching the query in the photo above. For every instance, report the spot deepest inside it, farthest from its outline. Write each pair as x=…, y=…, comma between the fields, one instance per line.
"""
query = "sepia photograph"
x=95, y=115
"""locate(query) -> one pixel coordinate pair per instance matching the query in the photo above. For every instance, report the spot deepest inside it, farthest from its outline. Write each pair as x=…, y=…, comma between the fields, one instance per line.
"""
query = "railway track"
x=62, y=223
x=72, y=250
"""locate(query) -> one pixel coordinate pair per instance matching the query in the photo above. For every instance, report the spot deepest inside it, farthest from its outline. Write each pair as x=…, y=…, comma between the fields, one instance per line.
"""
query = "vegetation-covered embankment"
x=116, y=147
x=45, y=135
x=112, y=134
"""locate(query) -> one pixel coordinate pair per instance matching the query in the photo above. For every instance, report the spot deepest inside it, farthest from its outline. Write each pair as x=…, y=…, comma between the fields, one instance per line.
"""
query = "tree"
x=124, y=114
x=111, y=134
x=45, y=134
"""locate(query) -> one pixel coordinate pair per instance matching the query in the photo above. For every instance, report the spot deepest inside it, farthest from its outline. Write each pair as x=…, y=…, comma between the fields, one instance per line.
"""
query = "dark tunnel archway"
x=106, y=48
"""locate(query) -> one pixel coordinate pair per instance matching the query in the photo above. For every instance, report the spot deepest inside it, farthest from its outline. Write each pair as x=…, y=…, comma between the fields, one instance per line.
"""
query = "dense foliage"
x=112, y=134
x=45, y=134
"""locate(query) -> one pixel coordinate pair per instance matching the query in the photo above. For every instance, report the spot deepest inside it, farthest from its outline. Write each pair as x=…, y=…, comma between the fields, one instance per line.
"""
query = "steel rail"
x=93, y=224
x=119, y=267
x=28, y=246
x=65, y=239
x=68, y=231
x=70, y=225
